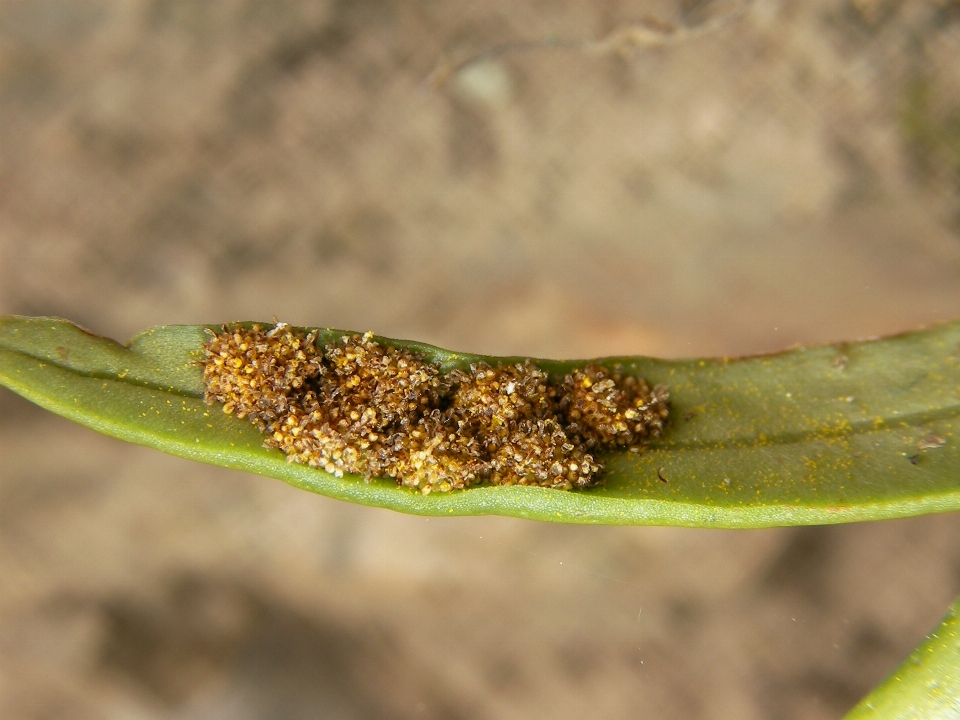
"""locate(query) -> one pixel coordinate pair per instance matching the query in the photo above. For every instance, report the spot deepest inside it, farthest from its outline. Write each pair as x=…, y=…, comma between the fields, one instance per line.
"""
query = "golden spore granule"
x=253, y=372
x=511, y=413
x=357, y=407
x=604, y=409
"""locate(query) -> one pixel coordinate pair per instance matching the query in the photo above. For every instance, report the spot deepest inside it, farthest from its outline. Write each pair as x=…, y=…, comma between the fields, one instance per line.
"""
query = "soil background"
x=559, y=179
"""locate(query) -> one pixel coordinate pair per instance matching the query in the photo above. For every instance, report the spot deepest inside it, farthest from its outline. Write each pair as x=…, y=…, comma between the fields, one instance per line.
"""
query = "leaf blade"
x=754, y=442
x=927, y=683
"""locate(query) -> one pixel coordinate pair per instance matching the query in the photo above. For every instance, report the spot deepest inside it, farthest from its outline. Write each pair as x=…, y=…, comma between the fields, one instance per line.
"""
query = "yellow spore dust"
x=362, y=408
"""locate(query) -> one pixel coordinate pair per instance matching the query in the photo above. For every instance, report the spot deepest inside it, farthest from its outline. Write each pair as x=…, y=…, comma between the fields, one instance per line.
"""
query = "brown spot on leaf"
x=931, y=442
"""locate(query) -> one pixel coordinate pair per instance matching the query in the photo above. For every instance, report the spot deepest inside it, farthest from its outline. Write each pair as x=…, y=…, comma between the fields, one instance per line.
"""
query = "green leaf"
x=926, y=685
x=838, y=433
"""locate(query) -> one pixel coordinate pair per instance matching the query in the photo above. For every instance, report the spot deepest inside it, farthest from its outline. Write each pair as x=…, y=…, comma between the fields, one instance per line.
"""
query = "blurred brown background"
x=790, y=174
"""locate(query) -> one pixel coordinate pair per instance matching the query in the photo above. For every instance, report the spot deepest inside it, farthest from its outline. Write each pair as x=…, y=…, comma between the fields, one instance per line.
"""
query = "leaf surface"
x=837, y=433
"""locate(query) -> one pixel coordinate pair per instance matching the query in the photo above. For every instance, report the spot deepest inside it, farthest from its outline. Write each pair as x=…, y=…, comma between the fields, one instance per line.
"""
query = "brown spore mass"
x=362, y=408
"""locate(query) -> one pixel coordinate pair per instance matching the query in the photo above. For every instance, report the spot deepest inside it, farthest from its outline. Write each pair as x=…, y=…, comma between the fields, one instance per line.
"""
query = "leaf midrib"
x=784, y=438
x=131, y=379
